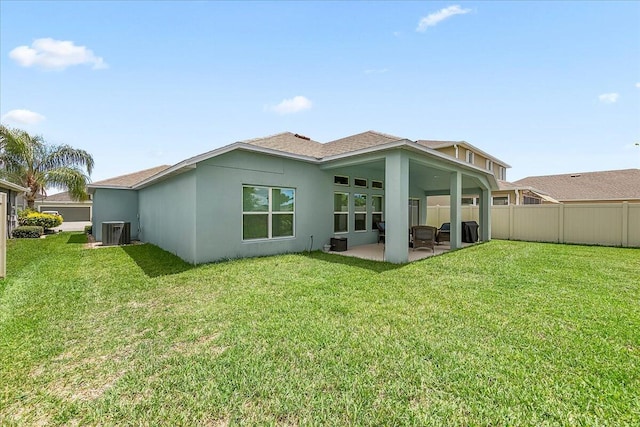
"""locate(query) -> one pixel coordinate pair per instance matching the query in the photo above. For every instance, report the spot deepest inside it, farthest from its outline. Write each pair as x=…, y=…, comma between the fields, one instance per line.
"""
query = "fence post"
x=561, y=224
x=625, y=224
x=511, y=222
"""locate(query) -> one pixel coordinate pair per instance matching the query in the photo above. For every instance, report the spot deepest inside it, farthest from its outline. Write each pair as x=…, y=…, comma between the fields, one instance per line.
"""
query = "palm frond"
x=65, y=155
x=71, y=179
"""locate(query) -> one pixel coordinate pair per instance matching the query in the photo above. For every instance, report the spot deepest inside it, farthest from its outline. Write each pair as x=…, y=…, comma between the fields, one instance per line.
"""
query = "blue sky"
x=548, y=87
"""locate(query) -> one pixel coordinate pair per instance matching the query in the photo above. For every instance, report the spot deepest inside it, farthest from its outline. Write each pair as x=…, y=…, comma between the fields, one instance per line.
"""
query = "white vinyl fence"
x=608, y=224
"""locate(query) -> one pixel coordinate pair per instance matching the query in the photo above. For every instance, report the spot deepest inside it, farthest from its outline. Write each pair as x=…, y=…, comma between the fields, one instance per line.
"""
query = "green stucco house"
x=288, y=193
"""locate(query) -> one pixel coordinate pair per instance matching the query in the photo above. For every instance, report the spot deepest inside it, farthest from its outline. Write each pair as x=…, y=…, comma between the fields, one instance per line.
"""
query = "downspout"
x=456, y=148
x=517, y=196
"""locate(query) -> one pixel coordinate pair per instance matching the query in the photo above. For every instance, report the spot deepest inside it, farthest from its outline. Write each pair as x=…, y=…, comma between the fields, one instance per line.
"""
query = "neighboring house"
x=466, y=152
x=462, y=150
x=71, y=210
x=13, y=191
x=288, y=193
x=589, y=187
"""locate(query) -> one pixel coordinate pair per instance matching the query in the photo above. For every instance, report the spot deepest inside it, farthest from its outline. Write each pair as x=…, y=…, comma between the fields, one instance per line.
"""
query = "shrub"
x=88, y=229
x=28, y=232
x=32, y=218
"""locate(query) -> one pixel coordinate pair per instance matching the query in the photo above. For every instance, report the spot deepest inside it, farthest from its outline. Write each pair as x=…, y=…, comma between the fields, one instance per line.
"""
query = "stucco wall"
x=114, y=205
x=167, y=215
x=219, y=204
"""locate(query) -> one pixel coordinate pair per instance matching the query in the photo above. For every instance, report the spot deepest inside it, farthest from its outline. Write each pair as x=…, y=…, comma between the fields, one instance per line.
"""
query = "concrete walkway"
x=72, y=226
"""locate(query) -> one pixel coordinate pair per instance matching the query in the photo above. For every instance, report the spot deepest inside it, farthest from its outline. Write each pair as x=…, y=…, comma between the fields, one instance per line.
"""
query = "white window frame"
x=270, y=213
x=500, y=197
x=414, y=199
x=381, y=212
x=374, y=182
x=502, y=173
x=489, y=165
x=341, y=212
x=356, y=213
x=470, y=156
x=341, y=176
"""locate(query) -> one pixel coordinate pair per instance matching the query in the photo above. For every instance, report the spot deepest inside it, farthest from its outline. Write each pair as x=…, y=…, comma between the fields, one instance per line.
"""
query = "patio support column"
x=396, y=208
x=485, y=215
x=455, y=188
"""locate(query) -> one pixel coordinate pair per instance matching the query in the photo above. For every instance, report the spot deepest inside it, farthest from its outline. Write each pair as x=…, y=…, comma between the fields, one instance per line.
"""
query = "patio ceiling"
x=431, y=179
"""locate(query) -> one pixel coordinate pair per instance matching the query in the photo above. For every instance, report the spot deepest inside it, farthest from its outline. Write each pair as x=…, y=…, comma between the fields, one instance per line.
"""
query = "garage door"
x=70, y=214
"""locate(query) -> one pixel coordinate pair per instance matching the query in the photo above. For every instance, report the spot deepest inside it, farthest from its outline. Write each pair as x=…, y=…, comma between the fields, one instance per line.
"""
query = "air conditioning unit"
x=116, y=233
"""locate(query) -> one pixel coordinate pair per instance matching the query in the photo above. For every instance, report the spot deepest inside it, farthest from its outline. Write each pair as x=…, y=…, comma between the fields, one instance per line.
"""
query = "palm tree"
x=29, y=161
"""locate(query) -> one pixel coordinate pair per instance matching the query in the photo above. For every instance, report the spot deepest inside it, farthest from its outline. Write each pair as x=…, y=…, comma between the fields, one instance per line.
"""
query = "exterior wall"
x=219, y=205
x=167, y=215
x=451, y=151
x=356, y=238
x=114, y=205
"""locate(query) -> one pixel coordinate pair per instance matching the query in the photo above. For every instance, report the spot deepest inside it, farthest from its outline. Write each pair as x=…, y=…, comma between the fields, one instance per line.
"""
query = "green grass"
x=504, y=333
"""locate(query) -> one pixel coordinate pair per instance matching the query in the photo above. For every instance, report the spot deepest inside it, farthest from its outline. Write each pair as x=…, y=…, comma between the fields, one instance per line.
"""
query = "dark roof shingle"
x=606, y=185
x=130, y=179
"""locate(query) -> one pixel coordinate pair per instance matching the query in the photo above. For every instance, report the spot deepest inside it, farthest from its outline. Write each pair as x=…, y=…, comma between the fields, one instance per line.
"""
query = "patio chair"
x=444, y=233
x=424, y=236
x=381, y=230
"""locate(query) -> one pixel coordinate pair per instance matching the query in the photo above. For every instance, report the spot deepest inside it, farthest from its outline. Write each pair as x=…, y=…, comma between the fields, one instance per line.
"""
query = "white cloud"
x=608, y=98
x=439, y=16
x=53, y=54
x=376, y=71
x=24, y=117
x=638, y=85
x=290, y=106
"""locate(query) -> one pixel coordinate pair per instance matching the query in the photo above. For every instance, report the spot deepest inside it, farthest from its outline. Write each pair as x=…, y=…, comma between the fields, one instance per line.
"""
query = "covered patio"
x=412, y=171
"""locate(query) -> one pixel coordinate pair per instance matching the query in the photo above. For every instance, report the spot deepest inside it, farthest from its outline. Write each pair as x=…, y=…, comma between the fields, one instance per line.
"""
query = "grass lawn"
x=504, y=333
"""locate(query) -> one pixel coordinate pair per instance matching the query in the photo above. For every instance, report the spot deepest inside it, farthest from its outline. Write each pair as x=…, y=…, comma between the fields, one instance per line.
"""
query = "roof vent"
x=575, y=175
x=302, y=137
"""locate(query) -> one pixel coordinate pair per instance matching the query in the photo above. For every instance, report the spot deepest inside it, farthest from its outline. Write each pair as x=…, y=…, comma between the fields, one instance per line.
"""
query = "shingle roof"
x=58, y=197
x=357, y=142
x=298, y=144
x=289, y=143
x=130, y=179
x=606, y=185
x=286, y=143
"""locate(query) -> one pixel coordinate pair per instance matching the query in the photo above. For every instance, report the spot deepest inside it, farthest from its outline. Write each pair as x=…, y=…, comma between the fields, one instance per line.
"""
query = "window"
x=414, y=212
x=502, y=173
x=528, y=200
x=360, y=182
x=470, y=156
x=376, y=211
x=468, y=201
x=341, y=180
x=489, y=165
x=377, y=184
x=360, y=208
x=501, y=201
x=340, y=212
x=267, y=213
